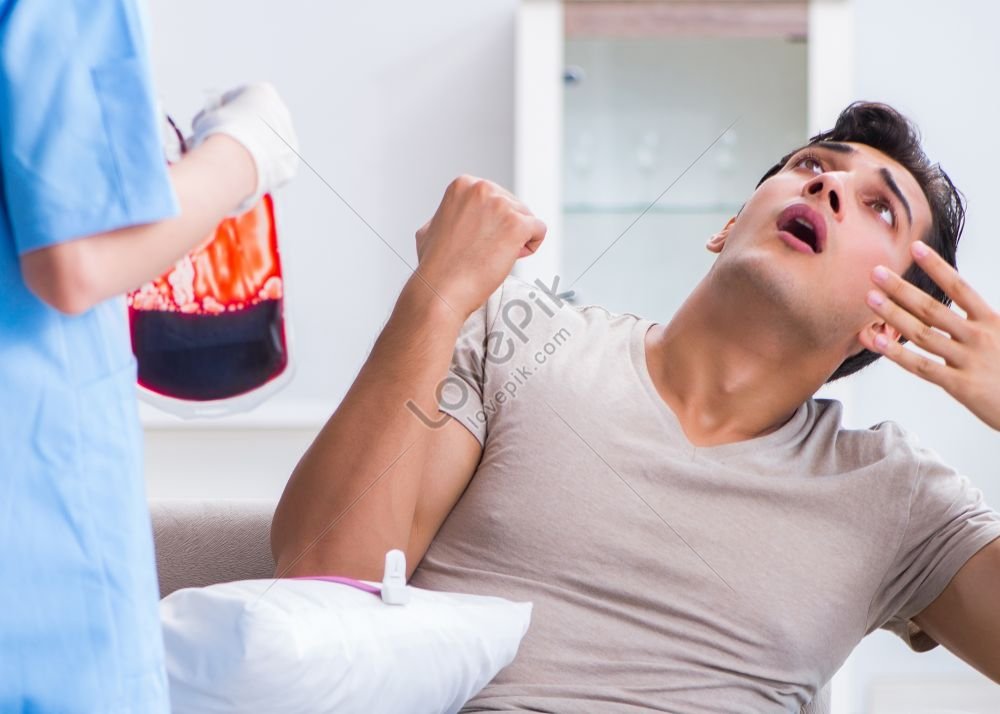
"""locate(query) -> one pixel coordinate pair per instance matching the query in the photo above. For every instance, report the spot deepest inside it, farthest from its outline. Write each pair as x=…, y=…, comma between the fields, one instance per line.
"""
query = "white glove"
x=244, y=114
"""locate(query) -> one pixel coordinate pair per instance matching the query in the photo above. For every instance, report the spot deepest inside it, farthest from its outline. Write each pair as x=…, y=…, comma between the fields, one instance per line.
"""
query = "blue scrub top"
x=80, y=153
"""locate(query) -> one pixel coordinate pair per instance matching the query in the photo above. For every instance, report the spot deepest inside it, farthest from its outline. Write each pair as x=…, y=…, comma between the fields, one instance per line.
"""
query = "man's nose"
x=829, y=188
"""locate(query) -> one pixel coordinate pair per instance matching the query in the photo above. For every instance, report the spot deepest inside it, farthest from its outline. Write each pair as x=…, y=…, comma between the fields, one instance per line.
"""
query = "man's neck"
x=729, y=375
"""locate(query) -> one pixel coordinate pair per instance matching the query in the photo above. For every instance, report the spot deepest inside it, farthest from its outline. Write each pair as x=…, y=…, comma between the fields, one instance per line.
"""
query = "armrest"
x=201, y=542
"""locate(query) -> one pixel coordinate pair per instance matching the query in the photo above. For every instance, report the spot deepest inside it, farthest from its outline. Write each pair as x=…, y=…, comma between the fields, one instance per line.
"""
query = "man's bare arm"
x=965, y=618
x=376, y=477
x=371, y=438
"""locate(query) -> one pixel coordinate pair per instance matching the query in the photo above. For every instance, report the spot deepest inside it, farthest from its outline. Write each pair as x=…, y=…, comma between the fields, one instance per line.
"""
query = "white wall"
x=935, y=62
x=391, y=101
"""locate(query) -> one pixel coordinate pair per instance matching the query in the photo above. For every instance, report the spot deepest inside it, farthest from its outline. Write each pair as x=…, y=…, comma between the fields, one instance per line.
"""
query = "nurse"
x=88, y=210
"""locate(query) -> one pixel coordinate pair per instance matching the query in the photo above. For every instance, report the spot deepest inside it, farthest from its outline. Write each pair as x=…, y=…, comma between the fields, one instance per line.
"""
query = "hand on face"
x=969, y=346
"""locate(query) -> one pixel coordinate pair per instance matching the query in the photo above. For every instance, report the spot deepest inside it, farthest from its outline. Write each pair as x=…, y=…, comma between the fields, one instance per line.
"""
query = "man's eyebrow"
x=836, y=146
x=891, y=183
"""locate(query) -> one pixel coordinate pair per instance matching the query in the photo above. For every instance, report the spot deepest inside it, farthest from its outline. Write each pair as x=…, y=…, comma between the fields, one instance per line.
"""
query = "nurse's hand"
x=256, y=117
x=969, y=346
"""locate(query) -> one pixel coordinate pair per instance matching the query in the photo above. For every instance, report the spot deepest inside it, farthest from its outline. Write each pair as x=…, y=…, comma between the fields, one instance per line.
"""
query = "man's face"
x=810, y=236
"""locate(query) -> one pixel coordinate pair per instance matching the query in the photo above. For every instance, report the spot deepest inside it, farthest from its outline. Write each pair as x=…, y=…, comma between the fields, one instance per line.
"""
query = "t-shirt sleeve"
x=948, y=523
x=461, y=393
x=80, y=144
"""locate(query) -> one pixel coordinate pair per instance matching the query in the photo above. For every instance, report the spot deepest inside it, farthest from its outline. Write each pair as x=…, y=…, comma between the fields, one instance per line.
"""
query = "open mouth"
x=802, y=228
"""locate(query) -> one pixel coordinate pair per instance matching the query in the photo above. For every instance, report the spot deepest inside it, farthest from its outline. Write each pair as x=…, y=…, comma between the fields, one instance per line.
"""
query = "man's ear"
x=872, y=330
x=716, y=242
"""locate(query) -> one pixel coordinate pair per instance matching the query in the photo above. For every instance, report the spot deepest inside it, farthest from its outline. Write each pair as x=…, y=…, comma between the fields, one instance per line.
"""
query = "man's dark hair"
x=883, y=128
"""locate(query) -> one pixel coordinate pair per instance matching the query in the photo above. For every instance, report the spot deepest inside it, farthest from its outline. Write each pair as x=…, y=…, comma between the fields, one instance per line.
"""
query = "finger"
x=420, y=237
x=928, y=369
x=522, y=209
x=529, y=248
x=231, y=94
x=459, y=185
x=538, y=230
x=916, y=331
x=502, y=191
x=515, y=202
x=516, y=205
x=949, y=280
x=920, y=304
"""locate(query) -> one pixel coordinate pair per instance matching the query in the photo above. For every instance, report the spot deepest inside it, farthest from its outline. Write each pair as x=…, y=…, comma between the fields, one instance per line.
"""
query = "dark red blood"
x=201, y=357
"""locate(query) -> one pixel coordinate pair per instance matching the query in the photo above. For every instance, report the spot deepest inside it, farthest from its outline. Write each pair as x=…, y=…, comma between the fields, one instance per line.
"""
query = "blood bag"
x=209, y=335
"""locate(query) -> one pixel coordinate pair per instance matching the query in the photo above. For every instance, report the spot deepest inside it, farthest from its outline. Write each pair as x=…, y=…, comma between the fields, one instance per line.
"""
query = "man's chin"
x=761, y=269
x=766, y=285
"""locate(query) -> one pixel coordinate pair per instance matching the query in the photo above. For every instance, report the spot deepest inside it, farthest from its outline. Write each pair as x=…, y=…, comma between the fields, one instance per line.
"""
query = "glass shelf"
x=637, y=208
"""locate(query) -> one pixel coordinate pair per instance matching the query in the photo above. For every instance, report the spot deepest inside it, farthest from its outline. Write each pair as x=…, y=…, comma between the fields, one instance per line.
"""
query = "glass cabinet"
x=669, y=113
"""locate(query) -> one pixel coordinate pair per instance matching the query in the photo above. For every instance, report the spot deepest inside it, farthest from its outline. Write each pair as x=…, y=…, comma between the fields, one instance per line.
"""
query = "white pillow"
x=309, y=646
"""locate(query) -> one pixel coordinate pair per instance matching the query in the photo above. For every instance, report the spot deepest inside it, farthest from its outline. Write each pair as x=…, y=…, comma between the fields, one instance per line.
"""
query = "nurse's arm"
x=208, y=181
x=965, y=617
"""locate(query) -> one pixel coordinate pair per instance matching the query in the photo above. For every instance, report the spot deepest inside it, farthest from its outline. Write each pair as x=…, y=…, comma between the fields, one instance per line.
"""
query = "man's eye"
x=810, y=163
x=884, y=210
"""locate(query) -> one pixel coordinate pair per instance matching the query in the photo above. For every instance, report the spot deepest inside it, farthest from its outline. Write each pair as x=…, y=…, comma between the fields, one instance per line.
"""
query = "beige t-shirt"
x=667, y=577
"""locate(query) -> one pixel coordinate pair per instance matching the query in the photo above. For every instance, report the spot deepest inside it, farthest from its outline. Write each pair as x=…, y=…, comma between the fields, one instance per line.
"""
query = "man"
x=696, y=532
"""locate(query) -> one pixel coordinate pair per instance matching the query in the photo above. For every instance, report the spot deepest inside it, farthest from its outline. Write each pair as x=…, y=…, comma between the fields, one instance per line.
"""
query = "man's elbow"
x=301, y=550
x=278, y=538
x=62, y=276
